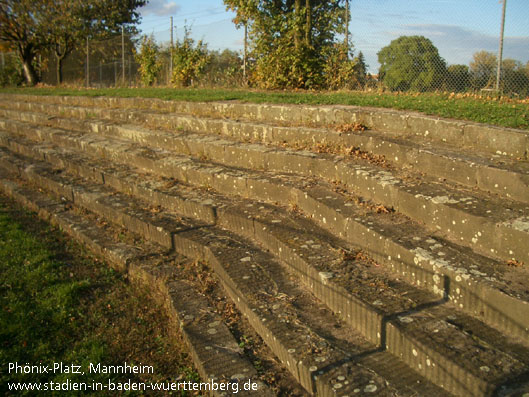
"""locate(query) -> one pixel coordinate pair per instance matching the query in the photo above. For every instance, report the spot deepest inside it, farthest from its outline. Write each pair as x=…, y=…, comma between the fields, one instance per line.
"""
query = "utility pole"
x=347, y=27
x=87, y=65
x=500, y=51
x=123, y=54
x=245, y=52
x=171, y=53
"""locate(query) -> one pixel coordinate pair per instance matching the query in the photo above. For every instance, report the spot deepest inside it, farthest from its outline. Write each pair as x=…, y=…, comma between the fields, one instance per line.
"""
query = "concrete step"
x=406, y=326
x=474, y=136
x=216, y=355
x=477, y=285
x=492, y=226
x=489, y=172
x=326, y=358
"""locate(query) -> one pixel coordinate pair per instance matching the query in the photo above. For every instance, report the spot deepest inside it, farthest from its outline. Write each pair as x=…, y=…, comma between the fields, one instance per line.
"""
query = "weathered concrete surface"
x=496, y=140
x=440, y=335
x=466, y=279
x=216, y=355
x=494, y=227
x=497, y=174
x=400, y=337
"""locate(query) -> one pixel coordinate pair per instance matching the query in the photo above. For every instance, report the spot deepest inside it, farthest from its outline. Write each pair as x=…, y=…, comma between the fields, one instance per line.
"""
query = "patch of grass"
x=58, y=305
x=490, y=110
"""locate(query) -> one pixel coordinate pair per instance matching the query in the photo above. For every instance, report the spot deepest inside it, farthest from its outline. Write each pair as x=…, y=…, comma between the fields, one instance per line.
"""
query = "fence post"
x=115, y=73
x=87, y=65
x=500, y=50
x=123, y=54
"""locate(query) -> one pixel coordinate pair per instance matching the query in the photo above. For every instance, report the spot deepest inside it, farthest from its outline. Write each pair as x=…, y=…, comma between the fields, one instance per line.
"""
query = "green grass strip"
x=500, y=112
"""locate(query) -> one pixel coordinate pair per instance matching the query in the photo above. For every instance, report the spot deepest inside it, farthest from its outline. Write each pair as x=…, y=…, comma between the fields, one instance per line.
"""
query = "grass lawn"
x=58, y=305
x=501, y=112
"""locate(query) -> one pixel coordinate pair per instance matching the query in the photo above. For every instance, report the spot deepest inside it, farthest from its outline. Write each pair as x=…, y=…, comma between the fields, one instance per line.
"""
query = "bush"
x=11, y=74
x=189, y=61
x=149, y=60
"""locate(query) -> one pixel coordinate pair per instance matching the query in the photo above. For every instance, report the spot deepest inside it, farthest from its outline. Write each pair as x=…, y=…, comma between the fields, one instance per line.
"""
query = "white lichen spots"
x=276, y=220
x=313, y=368
x=341, y=378
x=325, y=276
x=428, y=362
x=444, y=200
x=356, y=391
x=245, y=277
x=405, y=320
x=436, y=278
x=246, y=259
x=414, y=352
x=377, y=303
x=484, y=368
x=370, y=388
x=291, y=351
x=431, y=241
x=212, y=331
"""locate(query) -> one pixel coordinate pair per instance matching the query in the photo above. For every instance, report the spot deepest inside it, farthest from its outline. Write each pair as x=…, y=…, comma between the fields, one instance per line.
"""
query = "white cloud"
x=160, y=8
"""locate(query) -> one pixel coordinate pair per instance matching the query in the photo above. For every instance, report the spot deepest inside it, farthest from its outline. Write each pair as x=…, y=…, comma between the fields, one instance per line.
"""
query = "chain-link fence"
x=421, y=46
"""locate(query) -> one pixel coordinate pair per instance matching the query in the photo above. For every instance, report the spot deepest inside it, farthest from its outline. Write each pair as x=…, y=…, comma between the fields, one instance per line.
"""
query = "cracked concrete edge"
x=328, y=293
x=216, y=360
x=498, y=140
x=474, y=296
x=477, y=232
x=488, y=178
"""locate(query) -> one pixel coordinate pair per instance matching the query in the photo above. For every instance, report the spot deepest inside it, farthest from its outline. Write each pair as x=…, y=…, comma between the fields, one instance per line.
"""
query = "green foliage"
x=224, y=69
x=457, y=78
x=11, y=74
x=411, y=63
x=343, y=73
x=292, y=43
x=31, y=26
x=189, y=61
x=149, y=60
x=483, y=69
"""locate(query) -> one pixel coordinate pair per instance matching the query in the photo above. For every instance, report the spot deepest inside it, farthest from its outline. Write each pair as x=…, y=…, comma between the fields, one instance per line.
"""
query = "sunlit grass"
x=504, y=112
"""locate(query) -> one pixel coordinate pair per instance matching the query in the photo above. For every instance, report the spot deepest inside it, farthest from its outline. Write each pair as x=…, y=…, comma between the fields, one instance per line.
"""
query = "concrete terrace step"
x=326, y=358
x=479, y=286
x=493, y=227
x=483, y=138
x=216, y=355
x=492, y=173
x=399, y=335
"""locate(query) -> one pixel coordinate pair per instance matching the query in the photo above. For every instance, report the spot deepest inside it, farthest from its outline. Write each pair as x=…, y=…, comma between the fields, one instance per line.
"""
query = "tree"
x=224, y=69
x=149, y=60
x=483, y=69
x=21, y=23
x=290, y=40
x=411, y=63
x=189, y=60
x=514, y=78
x=60, y=25
x=457, y=78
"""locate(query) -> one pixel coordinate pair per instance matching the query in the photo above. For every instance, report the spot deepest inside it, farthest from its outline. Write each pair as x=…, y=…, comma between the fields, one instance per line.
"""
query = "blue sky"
x=458, y=28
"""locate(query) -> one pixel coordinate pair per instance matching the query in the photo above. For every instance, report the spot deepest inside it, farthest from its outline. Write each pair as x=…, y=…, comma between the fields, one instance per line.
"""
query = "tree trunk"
x=26, y=54
x=59, y=59
x=308, y=25
x=297, y=16
x=29, y=72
